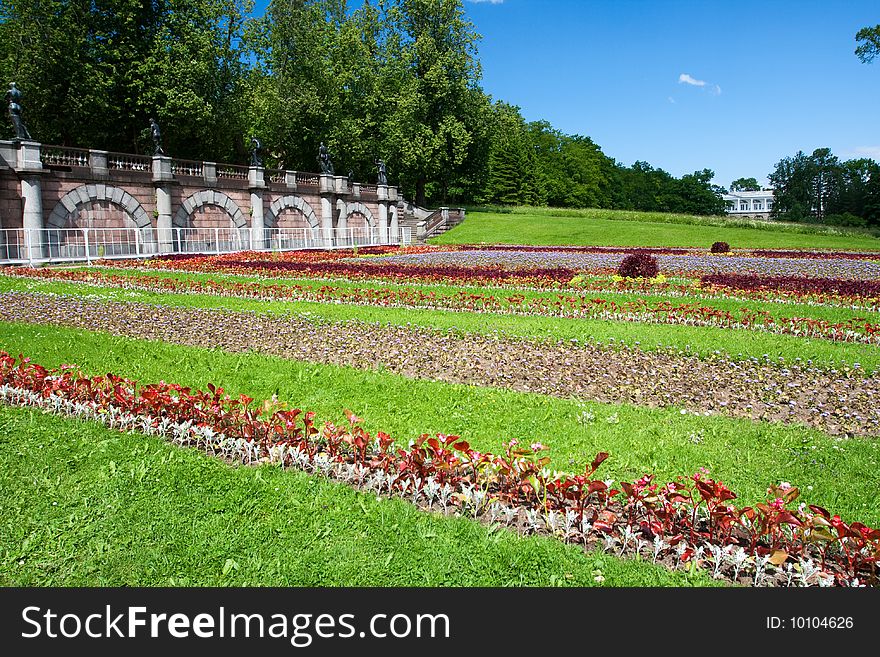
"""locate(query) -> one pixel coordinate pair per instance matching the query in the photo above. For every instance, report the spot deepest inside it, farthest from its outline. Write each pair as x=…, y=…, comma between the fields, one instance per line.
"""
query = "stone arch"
x=209, y=197
x=362, y=209
x=295, y=202
x=85, y=194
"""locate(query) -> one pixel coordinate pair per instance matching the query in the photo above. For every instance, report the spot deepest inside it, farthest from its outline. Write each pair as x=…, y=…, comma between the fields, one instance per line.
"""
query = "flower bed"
x=689, y=264
x=864, y=289
x=689, y=522
x=856, y=329
x=840, y=401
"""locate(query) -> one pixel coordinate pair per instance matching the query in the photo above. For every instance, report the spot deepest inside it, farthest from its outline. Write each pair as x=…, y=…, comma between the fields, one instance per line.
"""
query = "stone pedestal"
x=326, y=184
x=162, y=169
x=29, y=156
x=209, y=173
x=98, y=164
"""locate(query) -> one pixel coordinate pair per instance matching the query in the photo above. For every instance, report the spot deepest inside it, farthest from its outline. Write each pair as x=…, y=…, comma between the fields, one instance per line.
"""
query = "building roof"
x=764, y=193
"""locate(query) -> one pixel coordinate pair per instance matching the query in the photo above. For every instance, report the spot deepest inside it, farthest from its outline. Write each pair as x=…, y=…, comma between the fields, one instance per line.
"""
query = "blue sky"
x=778, y=76
x=688, y=84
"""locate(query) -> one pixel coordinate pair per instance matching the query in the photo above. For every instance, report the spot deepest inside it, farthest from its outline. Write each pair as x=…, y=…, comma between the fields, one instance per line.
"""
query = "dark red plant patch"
x=638, y=265
x=800, y=284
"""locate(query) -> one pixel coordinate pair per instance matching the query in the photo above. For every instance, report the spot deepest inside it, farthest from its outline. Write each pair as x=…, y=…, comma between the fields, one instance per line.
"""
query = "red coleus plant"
x=697, y=510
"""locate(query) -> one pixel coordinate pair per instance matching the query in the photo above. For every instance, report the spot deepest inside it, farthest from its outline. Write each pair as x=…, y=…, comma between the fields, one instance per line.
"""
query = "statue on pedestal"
x=13, y=97
x=383, y=174
x=324, y=160
x=256, y=152
x=156, y=134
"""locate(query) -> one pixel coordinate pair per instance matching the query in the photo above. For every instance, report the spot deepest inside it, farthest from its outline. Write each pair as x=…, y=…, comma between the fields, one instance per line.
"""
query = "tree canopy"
x=869, y=43
x=819, y=187
x=398, y=80
x=745, y=185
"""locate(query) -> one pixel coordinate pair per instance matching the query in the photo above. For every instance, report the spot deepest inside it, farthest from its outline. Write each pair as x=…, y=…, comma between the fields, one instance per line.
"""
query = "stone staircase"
x=425, y=224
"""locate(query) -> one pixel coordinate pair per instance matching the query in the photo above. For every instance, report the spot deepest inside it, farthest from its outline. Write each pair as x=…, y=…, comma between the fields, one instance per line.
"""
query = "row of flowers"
x=799, y=285
x=689, y=522
x=409, y=265
x=855, y=329
x=690, y=264
x=758, y=253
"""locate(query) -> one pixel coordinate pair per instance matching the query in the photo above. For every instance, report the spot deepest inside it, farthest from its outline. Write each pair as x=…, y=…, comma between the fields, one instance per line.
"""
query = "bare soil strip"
x=839, y=402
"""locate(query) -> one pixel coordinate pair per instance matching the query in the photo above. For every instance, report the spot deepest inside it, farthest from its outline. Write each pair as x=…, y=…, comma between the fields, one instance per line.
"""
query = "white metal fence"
x=47, y=245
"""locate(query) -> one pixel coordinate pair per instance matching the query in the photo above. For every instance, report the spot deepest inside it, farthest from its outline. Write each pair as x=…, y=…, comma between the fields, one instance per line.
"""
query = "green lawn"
x=746, y=455
x=545, y=226
x=700, y=340
x=86, y=506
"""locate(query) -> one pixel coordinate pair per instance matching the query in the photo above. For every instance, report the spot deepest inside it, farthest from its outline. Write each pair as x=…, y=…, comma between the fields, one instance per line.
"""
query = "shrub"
x=638, y=265
x=846, y=219
x=720, y=247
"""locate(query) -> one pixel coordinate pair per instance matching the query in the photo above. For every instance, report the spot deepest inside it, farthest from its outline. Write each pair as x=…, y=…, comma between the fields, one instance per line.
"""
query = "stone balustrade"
x=56, y=187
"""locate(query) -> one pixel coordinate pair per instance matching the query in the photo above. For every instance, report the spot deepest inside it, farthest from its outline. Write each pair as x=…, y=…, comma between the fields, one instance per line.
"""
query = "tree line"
x=821, y=188
x=391, y=79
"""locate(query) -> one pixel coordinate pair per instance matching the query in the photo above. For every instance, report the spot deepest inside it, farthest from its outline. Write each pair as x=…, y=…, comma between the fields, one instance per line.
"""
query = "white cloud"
x=671, y=99
x=712, y=89
x=491, y=2
x=687, y=79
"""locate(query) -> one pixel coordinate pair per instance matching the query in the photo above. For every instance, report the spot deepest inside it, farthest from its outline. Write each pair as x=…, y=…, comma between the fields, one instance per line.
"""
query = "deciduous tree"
x=869, y=43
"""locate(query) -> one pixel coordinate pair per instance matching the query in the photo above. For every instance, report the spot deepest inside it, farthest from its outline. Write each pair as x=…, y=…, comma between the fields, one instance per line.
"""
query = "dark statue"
x=13, y=97
x=324, y=160
x=383, y=174
x=256, y=152
x=156, y=134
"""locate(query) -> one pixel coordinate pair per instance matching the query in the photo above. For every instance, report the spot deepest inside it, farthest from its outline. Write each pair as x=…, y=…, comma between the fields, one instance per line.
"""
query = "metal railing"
x=19, y=246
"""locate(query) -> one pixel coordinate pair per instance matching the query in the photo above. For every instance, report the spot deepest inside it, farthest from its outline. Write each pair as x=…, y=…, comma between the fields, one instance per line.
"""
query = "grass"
x=86, y=506
x=746, y=455
x=550, y=226
x=700, y=340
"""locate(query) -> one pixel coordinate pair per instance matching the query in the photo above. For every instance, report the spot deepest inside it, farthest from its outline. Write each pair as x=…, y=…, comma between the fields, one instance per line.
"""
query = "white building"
x=750, y=204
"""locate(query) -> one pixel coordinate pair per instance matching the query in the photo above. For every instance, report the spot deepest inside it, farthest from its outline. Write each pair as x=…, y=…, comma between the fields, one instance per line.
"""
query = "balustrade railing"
x=64, y=156
x=434, y=221
x=232, y=171
x=277, y=176
x=80, y=157
x=187, y=168
x=129, y=162
x=308, y=179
